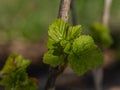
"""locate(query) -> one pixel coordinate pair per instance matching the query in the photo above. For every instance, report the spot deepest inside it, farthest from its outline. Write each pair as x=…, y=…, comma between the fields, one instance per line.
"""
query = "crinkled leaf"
x=57, y=30
x=101, y=34
x=63, y=43
x=73, y=32
x=51, y=44
x=67, y=48
x=52, y=59
x=85, y=55
x=65, y=40
x=83, y=44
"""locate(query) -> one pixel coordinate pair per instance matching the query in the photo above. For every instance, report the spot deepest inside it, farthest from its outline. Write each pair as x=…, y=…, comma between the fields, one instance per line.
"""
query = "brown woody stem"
x=64, y=10
x=106, y=13
x=55, y=72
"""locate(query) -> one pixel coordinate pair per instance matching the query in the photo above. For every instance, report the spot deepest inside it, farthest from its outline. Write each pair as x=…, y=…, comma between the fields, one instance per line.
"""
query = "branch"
x=64, y=10
x=107, y=5
x=55, y=72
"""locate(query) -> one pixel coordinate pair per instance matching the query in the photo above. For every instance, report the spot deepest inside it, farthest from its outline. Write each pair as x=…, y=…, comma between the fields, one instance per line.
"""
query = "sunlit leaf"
x=85, y=55
x=57, y=30
x=73, y=32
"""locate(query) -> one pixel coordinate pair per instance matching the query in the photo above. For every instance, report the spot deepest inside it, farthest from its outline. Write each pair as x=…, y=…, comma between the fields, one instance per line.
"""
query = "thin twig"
x=106, y=13
x=55, y=72
x=64, y=10
x=98, y=73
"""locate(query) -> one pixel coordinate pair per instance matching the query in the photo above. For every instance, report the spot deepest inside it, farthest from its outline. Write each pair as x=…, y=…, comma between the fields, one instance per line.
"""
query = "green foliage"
x=66, y=44
x=101, y=35
x=14, y=74
x=85, y=55
x=73, y=32
x=57, y=30
x=13, y=62
x=53, y=60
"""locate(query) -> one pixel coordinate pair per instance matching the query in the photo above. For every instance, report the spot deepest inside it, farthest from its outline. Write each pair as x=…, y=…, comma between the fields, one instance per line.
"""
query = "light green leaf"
x=67, y=48
x=53, y=60
x=51, y=44
x=63, y=43
x=74, y=32
x=85, y=55
x=101, y=34
x=57, y=30
x=83, y=44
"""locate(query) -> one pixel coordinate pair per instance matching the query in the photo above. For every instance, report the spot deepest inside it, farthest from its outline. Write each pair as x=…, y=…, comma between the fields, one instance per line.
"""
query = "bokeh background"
x=23, y=30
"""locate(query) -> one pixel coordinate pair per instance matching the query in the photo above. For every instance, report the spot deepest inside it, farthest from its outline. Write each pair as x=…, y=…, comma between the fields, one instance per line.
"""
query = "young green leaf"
x=66, y=44
x=57, y=30
x=53, y=60
x=67, y=48
x=51, y=44
x=85, y=55
x=63, y=43
x=73, y=32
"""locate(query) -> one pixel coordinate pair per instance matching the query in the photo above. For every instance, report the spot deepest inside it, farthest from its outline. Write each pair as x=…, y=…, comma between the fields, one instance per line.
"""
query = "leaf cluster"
x=66, y=45
x=14, y=76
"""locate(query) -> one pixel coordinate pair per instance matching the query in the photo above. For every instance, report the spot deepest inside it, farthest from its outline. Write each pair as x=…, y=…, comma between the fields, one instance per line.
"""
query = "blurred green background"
x=26, y=19
x=30, y=19
x=24, y=25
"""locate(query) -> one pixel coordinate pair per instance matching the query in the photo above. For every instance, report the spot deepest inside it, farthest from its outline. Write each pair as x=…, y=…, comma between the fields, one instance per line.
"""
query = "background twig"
x=98, y=73
x=106, y=13
x=64, y=10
